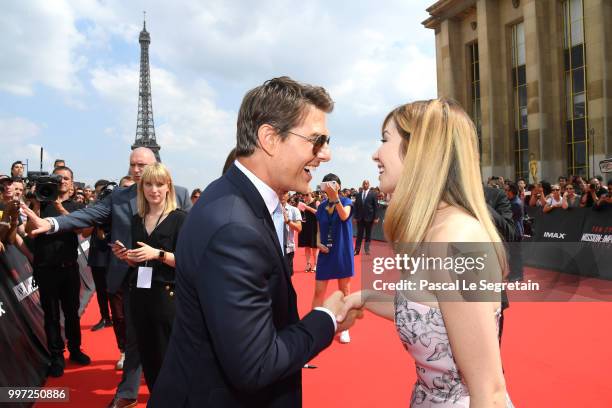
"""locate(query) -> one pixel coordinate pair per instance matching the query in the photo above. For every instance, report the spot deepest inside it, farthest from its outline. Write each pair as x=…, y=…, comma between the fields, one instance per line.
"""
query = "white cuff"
x=54, y=224
x=330, y=315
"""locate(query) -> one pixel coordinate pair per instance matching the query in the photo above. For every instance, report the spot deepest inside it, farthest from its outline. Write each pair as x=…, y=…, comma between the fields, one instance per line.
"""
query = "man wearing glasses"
x=554, y=200
x=237, y=339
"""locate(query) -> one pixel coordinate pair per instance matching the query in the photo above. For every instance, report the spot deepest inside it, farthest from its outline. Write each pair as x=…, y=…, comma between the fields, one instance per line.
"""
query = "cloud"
x=18, y=137
x=205, y=56
x=37, y=43
x=189, y=125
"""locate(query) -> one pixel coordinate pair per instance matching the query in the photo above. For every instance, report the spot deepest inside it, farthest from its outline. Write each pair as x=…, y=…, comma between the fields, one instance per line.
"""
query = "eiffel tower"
x=145, y=128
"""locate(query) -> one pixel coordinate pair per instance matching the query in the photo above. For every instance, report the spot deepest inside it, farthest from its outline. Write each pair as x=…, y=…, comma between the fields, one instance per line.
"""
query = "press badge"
x=145, y=274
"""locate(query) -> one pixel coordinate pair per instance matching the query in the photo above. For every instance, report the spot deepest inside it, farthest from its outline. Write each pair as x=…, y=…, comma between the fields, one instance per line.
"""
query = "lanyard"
x=144, y=224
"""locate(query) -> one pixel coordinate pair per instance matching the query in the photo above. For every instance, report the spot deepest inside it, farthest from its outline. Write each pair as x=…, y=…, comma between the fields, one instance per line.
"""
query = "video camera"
x=107, y=190
x=46, y=186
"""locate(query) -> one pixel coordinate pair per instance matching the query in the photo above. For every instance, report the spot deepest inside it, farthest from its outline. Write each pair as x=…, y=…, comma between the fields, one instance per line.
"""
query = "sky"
x=69, y=77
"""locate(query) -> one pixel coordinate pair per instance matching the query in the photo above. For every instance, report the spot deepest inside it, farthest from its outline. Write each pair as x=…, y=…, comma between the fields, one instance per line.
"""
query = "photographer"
x=570, y=198
x=539, y=194
x=593, y=193
x=605, y=201
x=13, y=230
x=9, y=213
x=56, y=272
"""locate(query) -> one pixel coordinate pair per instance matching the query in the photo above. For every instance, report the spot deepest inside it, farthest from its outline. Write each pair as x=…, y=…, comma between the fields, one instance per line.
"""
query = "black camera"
x=106, y=190
x=47, y=187
x=593, y=186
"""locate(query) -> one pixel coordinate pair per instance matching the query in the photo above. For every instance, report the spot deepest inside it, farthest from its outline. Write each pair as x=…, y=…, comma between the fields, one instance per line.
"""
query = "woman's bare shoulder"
x=456, y=225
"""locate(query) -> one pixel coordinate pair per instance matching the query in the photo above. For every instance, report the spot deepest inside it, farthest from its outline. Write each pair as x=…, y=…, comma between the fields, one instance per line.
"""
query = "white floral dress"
x=423, y=333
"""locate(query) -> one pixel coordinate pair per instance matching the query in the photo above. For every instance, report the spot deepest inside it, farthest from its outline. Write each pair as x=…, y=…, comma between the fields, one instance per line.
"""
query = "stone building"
x=536, y=77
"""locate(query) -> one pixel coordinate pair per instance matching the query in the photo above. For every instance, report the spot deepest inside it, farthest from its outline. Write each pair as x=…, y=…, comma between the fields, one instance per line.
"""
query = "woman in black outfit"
x=307, y=238
x=155, y=231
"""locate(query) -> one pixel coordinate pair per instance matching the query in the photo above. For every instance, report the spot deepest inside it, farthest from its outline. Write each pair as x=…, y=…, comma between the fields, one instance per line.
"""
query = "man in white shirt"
x=293, y=223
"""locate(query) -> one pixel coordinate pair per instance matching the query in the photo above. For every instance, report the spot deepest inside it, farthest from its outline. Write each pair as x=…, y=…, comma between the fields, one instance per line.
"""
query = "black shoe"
x=101, y=324
x=356, y=253
x=80, y=358
x=55, y=370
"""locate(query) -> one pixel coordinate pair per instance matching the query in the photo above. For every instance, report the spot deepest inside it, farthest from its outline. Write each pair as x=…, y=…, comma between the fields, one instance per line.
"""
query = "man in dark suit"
x=237, y=339
x=366, y=214
x=118, y=208
x=500, y=210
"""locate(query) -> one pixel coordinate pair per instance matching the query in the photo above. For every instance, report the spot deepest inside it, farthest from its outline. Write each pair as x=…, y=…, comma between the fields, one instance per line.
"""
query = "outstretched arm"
x=232, y=285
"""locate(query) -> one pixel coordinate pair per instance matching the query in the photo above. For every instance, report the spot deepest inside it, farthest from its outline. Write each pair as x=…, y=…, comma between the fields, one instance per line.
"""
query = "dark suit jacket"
x=118, y=208
x=501, y=212
x=237, y=340
x=366, y=210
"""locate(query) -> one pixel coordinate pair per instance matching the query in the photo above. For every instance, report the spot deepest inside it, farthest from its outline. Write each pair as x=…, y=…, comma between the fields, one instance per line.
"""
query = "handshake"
x=347, y=309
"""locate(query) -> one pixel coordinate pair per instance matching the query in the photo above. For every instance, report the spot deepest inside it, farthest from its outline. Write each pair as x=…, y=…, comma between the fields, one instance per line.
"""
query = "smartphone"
x=118, y=243
x=331, y=184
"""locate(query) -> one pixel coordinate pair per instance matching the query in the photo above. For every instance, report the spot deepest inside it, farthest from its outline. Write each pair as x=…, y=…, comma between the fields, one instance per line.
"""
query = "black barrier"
x=22, y=338
x=22, y=341
x=583, y=235
x=596, y=245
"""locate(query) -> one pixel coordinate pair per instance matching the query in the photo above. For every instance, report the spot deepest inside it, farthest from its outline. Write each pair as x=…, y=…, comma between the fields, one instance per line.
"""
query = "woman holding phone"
x=155, y=231
x=335, y=241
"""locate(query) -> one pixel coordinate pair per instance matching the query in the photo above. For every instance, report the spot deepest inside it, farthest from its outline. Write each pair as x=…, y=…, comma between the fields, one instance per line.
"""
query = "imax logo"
x=556, y=235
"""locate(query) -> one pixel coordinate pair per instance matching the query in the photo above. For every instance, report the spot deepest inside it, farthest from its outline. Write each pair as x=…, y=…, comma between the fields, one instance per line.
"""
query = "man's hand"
x=350, y=319
x=1, y=247
x=376, y=220
x=38, y=225
x=324, y=249
x=354, y=301
x=334, y=303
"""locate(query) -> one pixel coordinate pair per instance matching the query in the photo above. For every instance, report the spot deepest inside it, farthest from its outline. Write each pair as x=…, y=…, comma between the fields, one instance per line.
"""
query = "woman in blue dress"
x=335, y=241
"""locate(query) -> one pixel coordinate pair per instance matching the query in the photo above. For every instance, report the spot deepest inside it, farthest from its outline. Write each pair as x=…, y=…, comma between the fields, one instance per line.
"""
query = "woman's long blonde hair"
x=440, y=163
x=155, y=173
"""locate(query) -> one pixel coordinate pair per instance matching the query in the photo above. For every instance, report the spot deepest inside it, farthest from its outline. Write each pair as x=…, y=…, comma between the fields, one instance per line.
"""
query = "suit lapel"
x=133, y=199
x=256, y=201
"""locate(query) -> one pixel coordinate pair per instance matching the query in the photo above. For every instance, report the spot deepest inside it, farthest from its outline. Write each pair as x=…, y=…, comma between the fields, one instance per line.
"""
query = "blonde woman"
x=155, y=231
x=429, y=161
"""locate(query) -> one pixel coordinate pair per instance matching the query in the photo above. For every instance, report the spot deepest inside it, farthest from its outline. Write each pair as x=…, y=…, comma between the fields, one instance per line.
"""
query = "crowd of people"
x=198, y=289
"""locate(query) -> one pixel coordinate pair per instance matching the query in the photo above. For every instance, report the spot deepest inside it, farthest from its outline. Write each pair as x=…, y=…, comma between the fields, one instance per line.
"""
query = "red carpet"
x=554, y=355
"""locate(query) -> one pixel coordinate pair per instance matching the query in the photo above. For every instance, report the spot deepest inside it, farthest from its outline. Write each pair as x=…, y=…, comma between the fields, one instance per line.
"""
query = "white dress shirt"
x=271, y=199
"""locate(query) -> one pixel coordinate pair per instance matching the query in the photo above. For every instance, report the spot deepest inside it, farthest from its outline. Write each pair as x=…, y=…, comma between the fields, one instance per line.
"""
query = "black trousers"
x=116, y=306
x=289, y=259
x=153, y=312
x=60, y=286
x=99, y=276
x=363, y=226
x=132, y=370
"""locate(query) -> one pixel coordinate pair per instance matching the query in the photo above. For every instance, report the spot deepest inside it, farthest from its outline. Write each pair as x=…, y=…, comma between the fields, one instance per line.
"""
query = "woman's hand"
x=323, y=248
x=142, y=254
x=332, y=193
x=119, y=250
